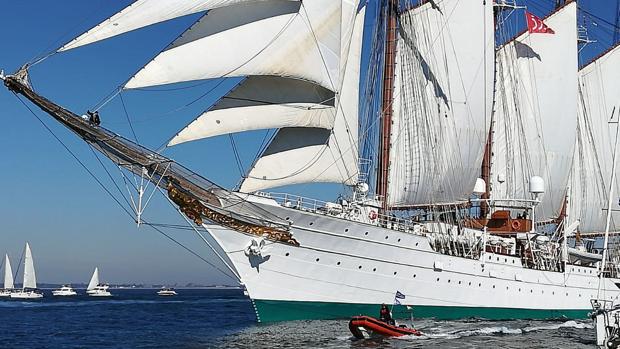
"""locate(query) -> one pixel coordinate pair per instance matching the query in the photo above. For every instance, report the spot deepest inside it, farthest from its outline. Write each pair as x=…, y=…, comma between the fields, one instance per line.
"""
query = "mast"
x=386, y=105
x=609, y=204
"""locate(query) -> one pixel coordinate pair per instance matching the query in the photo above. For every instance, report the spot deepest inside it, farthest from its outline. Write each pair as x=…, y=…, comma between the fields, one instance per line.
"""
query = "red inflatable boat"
x=366, y=326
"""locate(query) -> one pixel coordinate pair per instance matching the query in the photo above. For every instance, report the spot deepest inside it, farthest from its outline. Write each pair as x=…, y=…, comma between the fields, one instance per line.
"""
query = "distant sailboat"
x=29, y=288
x=8, y=278
x=96, y=289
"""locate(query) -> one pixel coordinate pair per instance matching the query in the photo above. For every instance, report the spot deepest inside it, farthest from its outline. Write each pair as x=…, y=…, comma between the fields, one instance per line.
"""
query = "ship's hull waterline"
x=344, y=268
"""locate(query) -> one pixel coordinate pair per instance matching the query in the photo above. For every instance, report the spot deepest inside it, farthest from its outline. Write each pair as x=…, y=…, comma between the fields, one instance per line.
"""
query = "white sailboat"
x=300, y=64
x=29, y=287
x=8, y=278
x=96, y=288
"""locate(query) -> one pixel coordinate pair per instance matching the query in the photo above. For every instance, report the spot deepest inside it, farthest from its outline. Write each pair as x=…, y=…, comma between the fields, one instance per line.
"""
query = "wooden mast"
x=386, y=105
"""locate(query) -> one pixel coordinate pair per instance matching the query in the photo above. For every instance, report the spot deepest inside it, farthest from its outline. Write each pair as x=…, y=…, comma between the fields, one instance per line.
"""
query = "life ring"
x=372, y=215
x=516, y=225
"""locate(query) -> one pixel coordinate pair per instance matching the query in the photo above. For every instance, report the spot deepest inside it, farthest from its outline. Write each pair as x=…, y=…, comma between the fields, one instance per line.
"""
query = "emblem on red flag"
x=536, y=25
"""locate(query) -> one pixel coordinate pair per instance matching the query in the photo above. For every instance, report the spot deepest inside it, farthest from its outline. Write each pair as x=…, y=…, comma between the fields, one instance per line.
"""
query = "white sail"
x=536, y=113
x=272, y=37
x=30, y=279
x=591, y=171
x=94, y=280
x=306, y=155
x=8, y=274
x=143, y=13
x=263, y=102
x=443, y=96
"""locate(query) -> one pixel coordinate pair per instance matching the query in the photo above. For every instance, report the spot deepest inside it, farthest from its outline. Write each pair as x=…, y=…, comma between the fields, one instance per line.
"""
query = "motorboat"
x=95, y=288
x=100, y=290
x=367, y=326
x=29, y=288
x=64, y=291
x=167, y=292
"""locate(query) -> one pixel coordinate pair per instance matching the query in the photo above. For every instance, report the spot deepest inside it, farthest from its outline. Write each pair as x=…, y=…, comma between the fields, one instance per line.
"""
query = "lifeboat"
x=366, y=326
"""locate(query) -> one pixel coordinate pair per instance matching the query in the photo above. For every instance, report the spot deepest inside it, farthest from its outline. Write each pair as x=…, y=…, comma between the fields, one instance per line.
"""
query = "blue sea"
x=217, y=318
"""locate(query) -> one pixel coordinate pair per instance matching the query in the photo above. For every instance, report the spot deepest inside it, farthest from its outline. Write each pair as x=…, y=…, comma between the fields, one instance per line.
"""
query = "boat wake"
x=451, y=333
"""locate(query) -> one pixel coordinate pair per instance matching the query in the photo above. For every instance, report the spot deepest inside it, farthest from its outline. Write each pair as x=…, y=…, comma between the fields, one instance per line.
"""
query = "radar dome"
x=537, y=185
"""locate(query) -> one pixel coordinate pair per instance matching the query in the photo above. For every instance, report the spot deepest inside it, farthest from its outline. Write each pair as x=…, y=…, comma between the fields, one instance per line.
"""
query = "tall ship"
x=463, y=147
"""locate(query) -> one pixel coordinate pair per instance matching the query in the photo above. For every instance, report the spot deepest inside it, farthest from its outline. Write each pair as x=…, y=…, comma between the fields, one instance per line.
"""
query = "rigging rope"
x=114, y=197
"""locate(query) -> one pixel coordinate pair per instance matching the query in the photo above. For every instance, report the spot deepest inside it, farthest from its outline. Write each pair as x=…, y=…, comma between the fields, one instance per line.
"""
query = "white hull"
x=58, y=293
x=166, y=294
x=99, y=293
x=5, y=293
x=341, y=261
x=26, y=295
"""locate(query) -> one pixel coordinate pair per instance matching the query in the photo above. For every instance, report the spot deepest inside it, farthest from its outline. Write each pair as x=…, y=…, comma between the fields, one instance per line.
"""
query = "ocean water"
x=225, y=319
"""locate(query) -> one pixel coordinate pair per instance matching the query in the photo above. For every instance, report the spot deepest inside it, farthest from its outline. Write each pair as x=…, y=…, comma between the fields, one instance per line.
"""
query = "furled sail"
x=8, y=274
x=304, y=155
x=263, y=102
x=30, y=279
x=143, y=13
x=536, y=113
x=442, y=101
x=592, y=163
x=94, y=280
x=272, y=37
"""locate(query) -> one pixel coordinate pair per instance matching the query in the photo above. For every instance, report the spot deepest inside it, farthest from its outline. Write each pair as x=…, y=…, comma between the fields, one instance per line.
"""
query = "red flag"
x=536, y=25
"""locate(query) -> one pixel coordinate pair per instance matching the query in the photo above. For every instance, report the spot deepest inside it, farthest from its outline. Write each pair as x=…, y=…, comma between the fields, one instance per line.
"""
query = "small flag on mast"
x=397, y=297
x=536, y=25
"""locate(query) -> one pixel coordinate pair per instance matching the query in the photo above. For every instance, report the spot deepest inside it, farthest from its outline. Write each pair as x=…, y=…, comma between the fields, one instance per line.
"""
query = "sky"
x=48, y=199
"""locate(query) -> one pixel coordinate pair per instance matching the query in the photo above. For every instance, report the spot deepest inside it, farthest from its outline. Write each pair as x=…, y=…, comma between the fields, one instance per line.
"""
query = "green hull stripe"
x=271, y=311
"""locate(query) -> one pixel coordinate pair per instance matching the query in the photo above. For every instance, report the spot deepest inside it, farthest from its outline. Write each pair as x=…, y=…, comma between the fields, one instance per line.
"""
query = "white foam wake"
x=567, y=324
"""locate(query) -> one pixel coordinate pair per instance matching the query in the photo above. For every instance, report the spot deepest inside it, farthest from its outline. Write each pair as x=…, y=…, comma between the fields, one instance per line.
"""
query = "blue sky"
x=51, y=201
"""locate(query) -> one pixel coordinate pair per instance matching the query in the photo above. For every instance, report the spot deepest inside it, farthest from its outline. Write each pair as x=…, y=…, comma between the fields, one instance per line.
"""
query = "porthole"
x=505, y=260
x=287, y=218
x=414, y=275
x=519, y=289
x=566, y=294
x=366, y=233
x=416, y=244
x=489, y=257
x=398, y=240
x=317, y=259
x=448, y=280
x=553, y=293
x=513, y=261
x=470, y=283
x=346, y=230
x=311, y=223
x=498, y=259
x=374, y=269
x=359, y=267
x=394, y=273
x=437, y=279
x=479, y=285
x=531, y=291
x=386, y=237
x=459, y=282
x=287, y=254
x=506, y=288
x=493, y=286
x=338, y=263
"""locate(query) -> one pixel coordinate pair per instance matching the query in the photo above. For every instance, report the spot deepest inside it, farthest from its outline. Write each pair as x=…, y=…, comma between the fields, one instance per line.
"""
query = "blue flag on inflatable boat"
x=398, y=296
